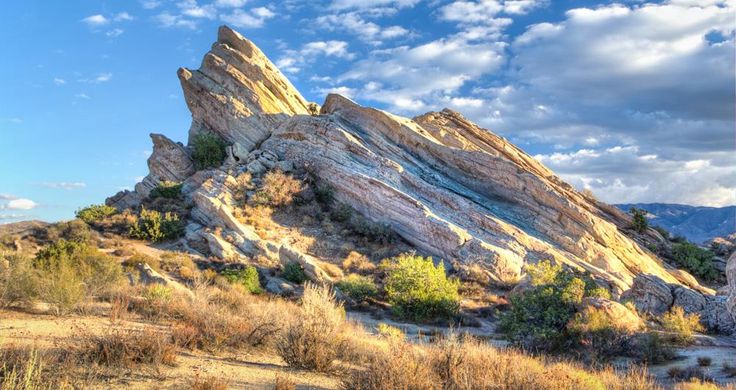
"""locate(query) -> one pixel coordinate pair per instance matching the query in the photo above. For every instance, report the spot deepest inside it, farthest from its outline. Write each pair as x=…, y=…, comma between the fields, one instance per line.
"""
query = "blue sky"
x=633, y=100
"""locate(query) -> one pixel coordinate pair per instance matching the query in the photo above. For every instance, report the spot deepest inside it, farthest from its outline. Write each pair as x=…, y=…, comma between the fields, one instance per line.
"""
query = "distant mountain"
x=698, y=224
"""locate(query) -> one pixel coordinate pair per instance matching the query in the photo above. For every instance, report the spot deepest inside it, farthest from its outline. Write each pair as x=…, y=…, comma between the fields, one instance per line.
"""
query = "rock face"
x=238, y=93
x=448, y=187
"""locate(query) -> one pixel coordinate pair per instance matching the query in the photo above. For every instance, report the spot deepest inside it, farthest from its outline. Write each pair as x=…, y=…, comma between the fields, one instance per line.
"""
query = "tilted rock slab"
x=450, y=188
x=731, y=275
x=458, y=192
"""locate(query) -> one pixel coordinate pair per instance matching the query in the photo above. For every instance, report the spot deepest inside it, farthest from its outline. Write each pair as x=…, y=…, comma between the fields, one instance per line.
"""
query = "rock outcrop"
x=448, y=187
x=238, y=93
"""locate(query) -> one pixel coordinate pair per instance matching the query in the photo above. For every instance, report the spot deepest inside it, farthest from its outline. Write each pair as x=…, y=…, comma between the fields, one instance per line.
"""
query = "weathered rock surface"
x=238, y=93
x=650, y=294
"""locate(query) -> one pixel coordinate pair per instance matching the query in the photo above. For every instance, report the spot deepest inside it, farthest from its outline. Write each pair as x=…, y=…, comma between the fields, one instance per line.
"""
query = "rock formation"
x=731, y=275
x=448, y=187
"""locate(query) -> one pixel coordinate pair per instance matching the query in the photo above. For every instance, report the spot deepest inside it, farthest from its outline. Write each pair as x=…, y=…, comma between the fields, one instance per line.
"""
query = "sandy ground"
x=242, y=370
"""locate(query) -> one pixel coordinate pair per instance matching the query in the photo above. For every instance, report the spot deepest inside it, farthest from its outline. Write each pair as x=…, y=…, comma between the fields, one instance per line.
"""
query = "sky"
x=633, y=100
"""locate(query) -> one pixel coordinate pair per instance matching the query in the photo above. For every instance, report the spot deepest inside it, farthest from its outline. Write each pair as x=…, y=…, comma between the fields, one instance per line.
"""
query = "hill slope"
x=696, y=223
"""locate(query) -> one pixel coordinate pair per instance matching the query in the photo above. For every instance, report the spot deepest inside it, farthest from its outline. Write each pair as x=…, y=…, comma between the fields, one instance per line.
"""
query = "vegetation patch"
x=246, y=277
x=358, y=287
x=681, y=324
x=95, y=213
x=167, y=189
x=419, y=290
x=294, y=273
x=694, y=259
x=155, y=226
x=208, y=150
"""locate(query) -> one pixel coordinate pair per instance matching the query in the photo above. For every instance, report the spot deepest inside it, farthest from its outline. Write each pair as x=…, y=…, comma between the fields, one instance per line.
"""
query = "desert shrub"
x=324, y=194
x=167, y=189
x=372, y=231
x=651, y=348
x=400, y=366
x=390, y=332
x=277, y=189
x=208, y=150
x=140, y=258
x=209, y=382
x=638, y=220
x=74, y=230
x=284, y=382
x=688, y=373
x=24, y=368
x=694, y=259
x=155, y=226
x=697, y=384
x=66, y=272
x=246, y=277
x=538, y=317
x=598, y=336
x=704, y=361
x=95, y=213
x=294, y=273
x=312, y=340
x=418, y=289
x=129, y=348
x=681, y=324
x=341, y=213
x=18, y=281
x=358, y=287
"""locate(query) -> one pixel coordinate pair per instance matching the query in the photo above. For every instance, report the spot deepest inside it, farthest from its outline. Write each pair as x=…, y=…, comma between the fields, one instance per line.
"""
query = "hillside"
x=696, y=223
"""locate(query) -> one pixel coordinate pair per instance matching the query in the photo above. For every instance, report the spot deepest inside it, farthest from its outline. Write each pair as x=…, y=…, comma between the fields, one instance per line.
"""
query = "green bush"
x=419, y=290
x=95, y=213
x=638, y=220
x=294, y=273
x=208, y=150
x=167, y=189
x=154, y=226
x=247, y=277
x=682, y=325
x=358, y=287
x=63, y=274
x=538, y=317
x=695, y=260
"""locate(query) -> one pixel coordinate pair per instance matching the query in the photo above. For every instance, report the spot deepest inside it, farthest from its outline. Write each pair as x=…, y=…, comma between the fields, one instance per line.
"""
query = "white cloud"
x=96, y=20
x=470, y=11
x=167, y=20
x=230, y=3
x=354, y=23
x=19, y=204
x=65, y=185
x=255, y=18
x=327, y=48
x=59, y=81
x=82, y=96
x=116, y=32
x=122, y=16
x=150, y=4
x=12, y=216
x=371, y=4
x=192, y=9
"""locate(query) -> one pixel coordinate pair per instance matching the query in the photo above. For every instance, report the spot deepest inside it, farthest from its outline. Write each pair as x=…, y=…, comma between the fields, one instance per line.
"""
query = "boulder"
x=691, y=301
x=148, y=276
x=310, y=265
x=650, y=294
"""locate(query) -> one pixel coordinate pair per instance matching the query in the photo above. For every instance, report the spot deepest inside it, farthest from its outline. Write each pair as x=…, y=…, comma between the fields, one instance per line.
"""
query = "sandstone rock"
x=280, y=286
x=148, y=276
x=650, y=294
x=310, y=265
x=125, y=199
x=689, y=300
x=238, y=93
x=618, y=314
x=169, y=161
x=716, y=317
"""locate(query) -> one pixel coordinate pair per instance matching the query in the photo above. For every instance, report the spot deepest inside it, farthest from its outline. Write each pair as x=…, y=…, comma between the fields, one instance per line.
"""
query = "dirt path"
x=256, y=370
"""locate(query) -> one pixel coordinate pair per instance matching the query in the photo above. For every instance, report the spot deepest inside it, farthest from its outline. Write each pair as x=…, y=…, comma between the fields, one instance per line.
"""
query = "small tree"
x=208, y=150
x=638, y=220
x=418, y=289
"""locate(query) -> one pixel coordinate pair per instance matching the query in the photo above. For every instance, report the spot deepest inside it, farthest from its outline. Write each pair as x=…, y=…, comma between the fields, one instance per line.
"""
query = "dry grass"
x=31, y=369
x=469, y=364
x=278, y=189
x=209, y=382
x=129, y=348
x=313, y=339
x=284, y=382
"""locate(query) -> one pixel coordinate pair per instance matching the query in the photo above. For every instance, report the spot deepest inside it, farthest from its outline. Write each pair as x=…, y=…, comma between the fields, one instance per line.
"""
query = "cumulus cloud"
x=59, y=81
x=371, y=4
x=354, y=23
x=96, y=20
x=18, y=204
x=293, y=60
x=116, y=32
x=230, y=3
x=150, y=4
x=169, y=20
x=255, y=18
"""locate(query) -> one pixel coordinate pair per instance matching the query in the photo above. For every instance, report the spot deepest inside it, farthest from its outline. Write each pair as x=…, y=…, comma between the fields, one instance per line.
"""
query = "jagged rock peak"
x=238, y=93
